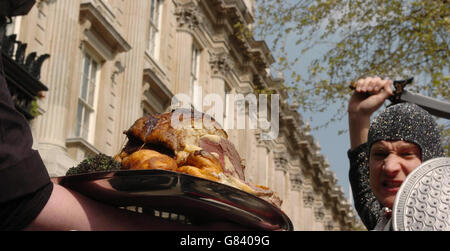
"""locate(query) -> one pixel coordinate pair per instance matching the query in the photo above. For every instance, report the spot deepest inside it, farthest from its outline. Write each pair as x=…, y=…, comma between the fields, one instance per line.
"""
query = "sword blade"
x=433, y=106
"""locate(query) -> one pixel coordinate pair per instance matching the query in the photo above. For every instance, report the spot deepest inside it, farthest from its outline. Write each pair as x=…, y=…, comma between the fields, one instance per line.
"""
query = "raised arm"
x=369, y=95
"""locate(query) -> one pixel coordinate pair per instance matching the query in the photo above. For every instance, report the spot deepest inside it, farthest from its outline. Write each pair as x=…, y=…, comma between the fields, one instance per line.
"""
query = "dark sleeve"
x=18, y=213
x=25, y=185
x=16, y=7
x=366, y=204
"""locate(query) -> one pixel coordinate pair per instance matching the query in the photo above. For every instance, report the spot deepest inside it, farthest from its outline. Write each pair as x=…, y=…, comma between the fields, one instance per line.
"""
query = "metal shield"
x=423, y=201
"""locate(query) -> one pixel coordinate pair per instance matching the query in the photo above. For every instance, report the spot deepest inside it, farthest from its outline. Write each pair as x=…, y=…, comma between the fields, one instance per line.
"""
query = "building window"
x=154, y=30
x=226, y=106
x=87, y=97
x=147, y=109
x=195, y=65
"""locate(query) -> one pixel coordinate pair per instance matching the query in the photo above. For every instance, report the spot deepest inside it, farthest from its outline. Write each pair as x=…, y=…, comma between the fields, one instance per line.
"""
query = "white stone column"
x=136, y=15
x=280, y=173
x=319, y=215
x=307, y=212
x=295, y=204
x=292, y=206
x=183, y=60
x=221, y=65
x=61, y=31
x=188, y=19
x=261, y=172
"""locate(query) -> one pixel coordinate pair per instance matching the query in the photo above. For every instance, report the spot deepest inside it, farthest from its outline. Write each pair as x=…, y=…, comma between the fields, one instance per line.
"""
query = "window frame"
x=90, y=100
x=154, y=29
x=226, y=104
x=194, y=74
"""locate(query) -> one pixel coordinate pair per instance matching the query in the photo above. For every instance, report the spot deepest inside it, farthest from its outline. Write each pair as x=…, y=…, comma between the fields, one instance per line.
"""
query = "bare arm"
x=368, y=97
x=68, y=210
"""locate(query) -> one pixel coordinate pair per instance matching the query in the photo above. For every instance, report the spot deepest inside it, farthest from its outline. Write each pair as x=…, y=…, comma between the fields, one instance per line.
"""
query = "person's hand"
x=370, y=93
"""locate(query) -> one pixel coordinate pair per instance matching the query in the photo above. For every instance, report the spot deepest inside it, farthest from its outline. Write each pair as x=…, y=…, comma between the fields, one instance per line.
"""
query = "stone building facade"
x=112, y=61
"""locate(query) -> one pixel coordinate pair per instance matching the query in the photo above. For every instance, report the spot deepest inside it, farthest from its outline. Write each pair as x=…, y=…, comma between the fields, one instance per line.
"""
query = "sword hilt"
x=399, y=86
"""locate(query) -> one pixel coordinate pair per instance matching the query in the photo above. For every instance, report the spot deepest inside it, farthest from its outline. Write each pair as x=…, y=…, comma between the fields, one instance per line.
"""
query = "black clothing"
x=406, y=122
x=17, y=214
x=366, y=204
x=25, y=185
x=15, y=7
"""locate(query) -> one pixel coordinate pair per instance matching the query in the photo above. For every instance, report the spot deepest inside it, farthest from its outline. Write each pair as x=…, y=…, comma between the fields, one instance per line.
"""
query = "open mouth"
x=391, y=186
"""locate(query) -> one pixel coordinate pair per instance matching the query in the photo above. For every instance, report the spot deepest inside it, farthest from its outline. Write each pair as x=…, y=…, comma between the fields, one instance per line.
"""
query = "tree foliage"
x=388, y=38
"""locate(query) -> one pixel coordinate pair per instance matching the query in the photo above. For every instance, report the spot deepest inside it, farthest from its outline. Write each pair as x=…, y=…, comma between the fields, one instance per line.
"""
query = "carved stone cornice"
x=260, y=142
x=188, y=16
x=296, y=181
x=319, y=213
x=281, y=162
x=40, y=3
x=329, y=225
x=221, y=64
x=96, y=19
x=237, y=10
x=308, y=199
x=119, y=68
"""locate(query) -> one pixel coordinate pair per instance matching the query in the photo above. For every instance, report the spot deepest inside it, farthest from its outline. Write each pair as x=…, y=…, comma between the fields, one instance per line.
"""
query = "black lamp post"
x=22, y=72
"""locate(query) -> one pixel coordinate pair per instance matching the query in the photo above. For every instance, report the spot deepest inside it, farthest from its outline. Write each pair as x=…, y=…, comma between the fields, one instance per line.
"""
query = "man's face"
x=390, y=163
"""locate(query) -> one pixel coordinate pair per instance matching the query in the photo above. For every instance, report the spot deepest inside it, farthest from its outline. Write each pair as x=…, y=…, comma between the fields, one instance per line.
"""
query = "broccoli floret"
x=98, y=163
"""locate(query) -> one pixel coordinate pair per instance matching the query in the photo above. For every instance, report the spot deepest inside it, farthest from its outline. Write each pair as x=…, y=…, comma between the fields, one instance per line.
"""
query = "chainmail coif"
x=410, y=123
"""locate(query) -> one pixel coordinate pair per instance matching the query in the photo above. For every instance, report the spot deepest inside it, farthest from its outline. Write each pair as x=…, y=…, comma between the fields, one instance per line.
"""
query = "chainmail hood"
x=410, y=123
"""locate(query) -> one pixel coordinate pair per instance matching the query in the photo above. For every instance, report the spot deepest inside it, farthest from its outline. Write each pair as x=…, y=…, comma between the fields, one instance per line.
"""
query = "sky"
x=334, y=147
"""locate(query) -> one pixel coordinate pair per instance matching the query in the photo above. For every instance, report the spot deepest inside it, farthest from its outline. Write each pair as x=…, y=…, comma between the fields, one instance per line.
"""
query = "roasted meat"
x=161, y=129
x=149, y=159
x=191, y=143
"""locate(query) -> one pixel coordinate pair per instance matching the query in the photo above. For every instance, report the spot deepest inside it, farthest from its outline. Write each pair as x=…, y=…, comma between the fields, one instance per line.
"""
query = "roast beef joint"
x=203, y=151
